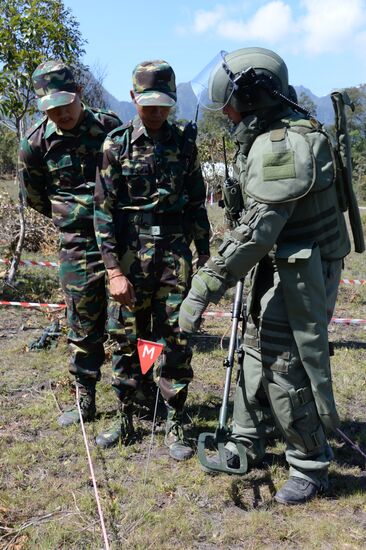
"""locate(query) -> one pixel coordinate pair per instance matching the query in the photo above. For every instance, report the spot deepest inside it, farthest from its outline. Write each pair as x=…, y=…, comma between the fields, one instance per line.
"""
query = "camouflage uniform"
x=147, y=195
x=58, y=178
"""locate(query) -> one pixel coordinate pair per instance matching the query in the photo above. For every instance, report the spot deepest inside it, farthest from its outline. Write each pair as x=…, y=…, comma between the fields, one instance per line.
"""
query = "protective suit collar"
x=254, y=124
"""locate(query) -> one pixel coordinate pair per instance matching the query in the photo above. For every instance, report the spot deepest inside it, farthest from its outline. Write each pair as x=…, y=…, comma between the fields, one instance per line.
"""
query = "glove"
x=206, y=288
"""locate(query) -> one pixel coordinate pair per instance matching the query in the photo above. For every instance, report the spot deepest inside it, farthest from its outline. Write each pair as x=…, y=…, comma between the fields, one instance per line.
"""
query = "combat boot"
x=87, y=406
x=296, y=491
x=179, y=448
x=122, y=429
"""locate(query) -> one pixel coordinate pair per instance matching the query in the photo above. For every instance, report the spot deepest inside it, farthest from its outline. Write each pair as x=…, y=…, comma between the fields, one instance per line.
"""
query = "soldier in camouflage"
x=293, y=238
x=58, y=159
x=149, y=203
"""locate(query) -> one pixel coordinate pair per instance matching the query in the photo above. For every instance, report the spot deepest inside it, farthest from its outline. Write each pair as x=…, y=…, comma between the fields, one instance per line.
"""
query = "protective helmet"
x=248, y=79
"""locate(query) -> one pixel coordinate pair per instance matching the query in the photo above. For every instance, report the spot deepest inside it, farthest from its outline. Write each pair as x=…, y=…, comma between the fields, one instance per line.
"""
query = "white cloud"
x=319, y=26
x=205, y=20
x=270, y=23
x=331, y=25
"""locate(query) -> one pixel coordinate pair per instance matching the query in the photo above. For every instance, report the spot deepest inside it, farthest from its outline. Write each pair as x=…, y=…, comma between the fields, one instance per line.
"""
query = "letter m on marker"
x=148, y=353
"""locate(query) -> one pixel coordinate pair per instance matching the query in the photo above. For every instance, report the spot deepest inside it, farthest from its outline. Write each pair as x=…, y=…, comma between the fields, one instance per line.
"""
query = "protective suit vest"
x=294, y=161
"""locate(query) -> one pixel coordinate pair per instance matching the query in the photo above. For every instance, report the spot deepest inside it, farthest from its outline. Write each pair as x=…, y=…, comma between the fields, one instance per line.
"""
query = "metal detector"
x=222, y=435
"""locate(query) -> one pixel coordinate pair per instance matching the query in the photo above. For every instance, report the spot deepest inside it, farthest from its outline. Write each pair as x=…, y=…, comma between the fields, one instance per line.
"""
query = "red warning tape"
x=45, y=263
x=353, y=281
x=337, y=320
x=31, y=304
x=31, y=262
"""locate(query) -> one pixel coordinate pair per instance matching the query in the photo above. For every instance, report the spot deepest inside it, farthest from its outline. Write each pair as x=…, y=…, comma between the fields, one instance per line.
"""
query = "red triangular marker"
x=148, y=353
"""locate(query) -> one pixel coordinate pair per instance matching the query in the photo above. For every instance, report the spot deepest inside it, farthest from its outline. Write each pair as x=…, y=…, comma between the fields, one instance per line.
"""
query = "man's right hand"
x=121, y=289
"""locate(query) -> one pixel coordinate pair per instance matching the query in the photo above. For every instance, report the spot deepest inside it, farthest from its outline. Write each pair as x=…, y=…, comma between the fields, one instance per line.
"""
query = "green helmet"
x=249, y=79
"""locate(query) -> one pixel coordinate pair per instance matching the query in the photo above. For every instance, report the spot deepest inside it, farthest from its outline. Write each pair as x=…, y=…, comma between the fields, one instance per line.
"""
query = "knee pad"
x=296, y=415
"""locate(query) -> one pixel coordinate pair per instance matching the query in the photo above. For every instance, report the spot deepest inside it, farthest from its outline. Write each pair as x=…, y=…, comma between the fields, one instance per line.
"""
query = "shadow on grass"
x=345, y=454
x=350, y=344
x=247, y=493
x=203, y=342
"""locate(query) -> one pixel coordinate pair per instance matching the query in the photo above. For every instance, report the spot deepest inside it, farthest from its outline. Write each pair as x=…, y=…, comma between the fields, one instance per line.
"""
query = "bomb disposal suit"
x=292, y=238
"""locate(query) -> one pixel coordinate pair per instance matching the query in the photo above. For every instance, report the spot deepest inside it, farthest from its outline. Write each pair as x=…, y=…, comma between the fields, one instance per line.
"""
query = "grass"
x=46, y=495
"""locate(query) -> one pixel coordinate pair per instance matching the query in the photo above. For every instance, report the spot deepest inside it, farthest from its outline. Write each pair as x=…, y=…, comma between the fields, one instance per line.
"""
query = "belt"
x=152, y=218
x=160, y=230
x=151, y=223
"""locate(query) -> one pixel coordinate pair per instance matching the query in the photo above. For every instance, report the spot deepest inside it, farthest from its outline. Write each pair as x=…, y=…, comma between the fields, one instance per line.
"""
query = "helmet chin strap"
x=246, y=86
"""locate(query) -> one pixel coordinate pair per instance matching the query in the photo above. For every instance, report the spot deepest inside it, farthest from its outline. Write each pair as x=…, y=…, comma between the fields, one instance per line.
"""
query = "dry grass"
x=46, y=496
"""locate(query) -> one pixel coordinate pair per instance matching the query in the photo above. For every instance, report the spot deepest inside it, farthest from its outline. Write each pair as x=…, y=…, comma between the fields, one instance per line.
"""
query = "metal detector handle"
x=229, y=362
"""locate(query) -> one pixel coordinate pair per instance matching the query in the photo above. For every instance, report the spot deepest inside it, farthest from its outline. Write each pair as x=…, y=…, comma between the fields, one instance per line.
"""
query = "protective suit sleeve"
x=207, y=286
x=241, y=250
x=245, y=245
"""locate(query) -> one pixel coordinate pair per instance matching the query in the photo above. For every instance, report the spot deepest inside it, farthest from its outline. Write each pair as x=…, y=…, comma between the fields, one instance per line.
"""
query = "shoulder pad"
x=35, y=127
x=280, y=166
x=310, y=124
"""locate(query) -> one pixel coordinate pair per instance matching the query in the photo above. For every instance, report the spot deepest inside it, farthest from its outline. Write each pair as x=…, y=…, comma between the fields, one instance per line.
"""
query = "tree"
x=305, y=101
x=357, y=131
x=31, y=31
x=8, y=150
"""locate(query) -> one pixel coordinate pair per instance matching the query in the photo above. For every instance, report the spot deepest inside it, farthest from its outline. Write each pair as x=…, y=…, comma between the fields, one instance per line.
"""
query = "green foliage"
x=357, y=131
x=8, y=150
x=211, y=129
x=305, y=101
x=31, y=32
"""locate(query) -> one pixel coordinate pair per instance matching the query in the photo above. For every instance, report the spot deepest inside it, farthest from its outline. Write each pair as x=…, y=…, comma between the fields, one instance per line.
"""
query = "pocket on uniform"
x=76, y=319
x=140, y=179
x=65, y=170
x=115, y=323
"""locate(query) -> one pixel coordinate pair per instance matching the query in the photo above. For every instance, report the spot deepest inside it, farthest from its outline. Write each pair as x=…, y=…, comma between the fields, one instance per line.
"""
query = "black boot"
x=87, y=406
x=121, y=429
x=179, y=448
x=296, y=491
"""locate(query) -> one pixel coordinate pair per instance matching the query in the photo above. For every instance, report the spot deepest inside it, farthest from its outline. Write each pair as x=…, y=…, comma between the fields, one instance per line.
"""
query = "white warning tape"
x=353, y=281
x=337, y=320
x=31, y=304
x=43, y=263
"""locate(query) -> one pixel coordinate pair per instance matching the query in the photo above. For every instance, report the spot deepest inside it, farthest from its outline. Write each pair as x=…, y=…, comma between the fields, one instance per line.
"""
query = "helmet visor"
x=202, y=85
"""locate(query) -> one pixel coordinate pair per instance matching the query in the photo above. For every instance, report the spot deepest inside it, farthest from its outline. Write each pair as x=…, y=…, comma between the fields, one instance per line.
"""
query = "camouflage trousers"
x=273, y=388
x=159, y=269
x=82, y=277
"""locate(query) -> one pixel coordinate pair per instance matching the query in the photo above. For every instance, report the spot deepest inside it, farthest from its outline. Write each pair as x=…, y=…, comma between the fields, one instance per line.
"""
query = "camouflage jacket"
x=57, y=168
x=138, y=174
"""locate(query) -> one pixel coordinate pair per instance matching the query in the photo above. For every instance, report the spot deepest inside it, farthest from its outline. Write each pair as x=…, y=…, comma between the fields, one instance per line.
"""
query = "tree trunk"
x=18, y=251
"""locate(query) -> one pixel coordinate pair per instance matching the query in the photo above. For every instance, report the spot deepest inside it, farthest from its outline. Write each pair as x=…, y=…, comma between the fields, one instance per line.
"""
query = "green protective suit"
x=293, y=237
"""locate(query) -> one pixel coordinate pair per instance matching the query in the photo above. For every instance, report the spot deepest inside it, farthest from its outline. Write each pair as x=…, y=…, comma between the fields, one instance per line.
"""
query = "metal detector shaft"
x=229, y=361
x=222, y=434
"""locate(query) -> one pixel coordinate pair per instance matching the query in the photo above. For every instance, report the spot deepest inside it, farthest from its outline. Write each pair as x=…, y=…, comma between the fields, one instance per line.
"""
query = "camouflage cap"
x=54, y=85
x=154, y=83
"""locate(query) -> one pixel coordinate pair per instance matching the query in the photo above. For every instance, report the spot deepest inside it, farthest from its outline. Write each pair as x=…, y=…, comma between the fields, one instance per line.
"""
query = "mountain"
x=187, y=104
x=124, y=109
x=324, y=107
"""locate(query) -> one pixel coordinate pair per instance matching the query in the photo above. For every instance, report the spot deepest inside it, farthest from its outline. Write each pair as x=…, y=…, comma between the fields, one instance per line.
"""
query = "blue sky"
x=322, y=41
